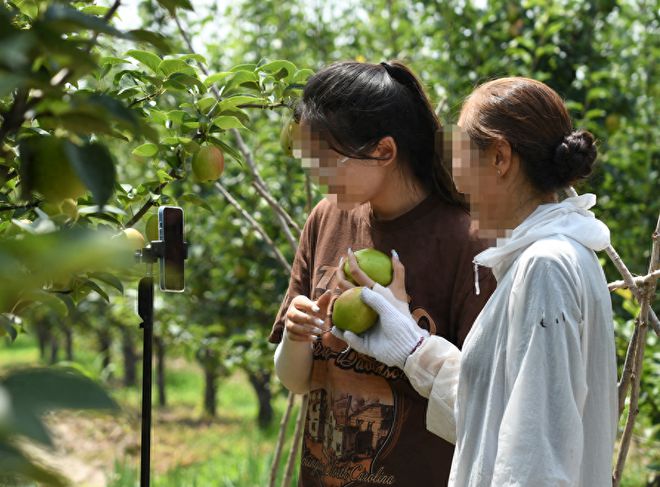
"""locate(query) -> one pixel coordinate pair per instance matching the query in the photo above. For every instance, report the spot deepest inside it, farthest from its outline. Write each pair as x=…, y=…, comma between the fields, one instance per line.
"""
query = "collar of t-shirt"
x=408, y=218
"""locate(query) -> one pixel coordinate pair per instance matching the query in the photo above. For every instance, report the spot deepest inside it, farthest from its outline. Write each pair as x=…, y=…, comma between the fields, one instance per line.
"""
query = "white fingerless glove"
x=394, y=337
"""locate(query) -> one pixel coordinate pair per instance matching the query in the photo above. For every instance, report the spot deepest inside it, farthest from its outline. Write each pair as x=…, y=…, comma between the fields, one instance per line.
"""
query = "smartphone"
x=170, y=231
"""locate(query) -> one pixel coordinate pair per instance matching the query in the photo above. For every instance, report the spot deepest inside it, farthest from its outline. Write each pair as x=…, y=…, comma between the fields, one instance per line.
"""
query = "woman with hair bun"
x=531, y=399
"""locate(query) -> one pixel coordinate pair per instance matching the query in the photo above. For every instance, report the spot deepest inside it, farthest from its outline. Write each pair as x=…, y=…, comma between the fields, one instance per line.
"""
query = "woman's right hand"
x=306, y=320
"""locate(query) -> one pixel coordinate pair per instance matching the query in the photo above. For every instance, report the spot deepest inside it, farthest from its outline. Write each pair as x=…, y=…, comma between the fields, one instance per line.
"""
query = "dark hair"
x=534, y=120
x=353, y=105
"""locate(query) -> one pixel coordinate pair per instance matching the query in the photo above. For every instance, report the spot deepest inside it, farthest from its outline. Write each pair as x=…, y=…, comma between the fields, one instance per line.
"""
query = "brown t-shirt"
x=365, y=423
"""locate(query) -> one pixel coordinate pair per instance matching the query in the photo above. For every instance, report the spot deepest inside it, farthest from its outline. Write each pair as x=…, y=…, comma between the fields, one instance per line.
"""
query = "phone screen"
x=170, y=227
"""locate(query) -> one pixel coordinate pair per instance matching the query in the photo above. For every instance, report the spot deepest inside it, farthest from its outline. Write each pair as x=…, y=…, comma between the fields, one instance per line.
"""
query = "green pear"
x=349, y=313
x=151, y=228
x=374, y=264
x=208, y=163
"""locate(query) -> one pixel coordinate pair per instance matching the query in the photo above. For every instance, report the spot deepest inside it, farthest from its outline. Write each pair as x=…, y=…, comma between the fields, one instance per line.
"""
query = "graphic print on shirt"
x=353, y=411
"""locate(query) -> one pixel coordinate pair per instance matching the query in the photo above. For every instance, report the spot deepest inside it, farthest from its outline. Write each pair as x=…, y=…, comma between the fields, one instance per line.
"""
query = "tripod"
x=148, y=255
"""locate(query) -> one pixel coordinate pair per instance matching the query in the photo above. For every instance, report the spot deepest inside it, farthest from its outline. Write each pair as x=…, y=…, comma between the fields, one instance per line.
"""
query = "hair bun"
x=575, y=156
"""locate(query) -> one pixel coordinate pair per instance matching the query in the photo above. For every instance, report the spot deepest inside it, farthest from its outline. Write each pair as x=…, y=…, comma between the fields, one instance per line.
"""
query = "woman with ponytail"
x=368, y=133
x=531, y=399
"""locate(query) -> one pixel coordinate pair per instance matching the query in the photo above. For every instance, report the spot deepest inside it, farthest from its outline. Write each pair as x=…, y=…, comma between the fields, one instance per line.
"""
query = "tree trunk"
x=68, y=342
x=261, y=383
x=54, y=348
x=105, y=344
x=43, y=338
x=130, y=357
x=160, y=370
x=210, y=389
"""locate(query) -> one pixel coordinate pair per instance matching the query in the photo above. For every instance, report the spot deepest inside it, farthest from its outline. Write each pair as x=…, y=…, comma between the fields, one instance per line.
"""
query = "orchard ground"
x=101, y=450
x=188, y=449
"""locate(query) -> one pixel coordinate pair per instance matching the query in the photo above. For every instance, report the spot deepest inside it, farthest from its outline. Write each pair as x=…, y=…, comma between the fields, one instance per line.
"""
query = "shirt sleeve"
x=540, y=439
x=300, y=280
x=433, y=372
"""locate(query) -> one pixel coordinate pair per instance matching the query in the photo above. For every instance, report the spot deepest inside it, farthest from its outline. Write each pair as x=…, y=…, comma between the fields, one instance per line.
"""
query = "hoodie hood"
x=571, y=217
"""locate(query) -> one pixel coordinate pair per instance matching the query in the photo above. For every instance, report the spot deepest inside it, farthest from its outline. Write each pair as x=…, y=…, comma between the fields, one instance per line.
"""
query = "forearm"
x=433, y=372
x=293, y=364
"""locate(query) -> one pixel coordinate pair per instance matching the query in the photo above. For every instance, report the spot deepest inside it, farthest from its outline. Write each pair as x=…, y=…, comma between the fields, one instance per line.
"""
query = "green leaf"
x=159, y=41
x=63, y=18
x=595, y=113
x=95, y=167
x=96, y=288
x=243, y=78
x=597, y=93
x=146, y=150
x=216, y=77
x=302, y=75
x=29, y=8
x=196, y=200
x=235, y=101
x=197, y=57
x=109, y=279
x=170, y=66
x=172, y=5
x=7, y=327
x=280, y=68
x=112, y=60
x=184, y=81
x=228, y=122
x=38, y=390
x=13, y=462
x=163, y=176
x=88, y=210
x=227, y=149
x=80, y=123
x=157, y=116
x=176, y=116
x=243, y=67
x=149, y=59
x=99, y=10
x=49, y=299
x=206, y=103
x=9, y=82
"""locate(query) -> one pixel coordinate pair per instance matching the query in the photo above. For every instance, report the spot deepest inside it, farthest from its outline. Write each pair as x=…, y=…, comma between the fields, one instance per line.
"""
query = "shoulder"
x=552, y=260
x=319, y=213
x=555, y=250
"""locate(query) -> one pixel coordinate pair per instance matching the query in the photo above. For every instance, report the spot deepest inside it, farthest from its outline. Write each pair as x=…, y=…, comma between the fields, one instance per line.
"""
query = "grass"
x=189, y=449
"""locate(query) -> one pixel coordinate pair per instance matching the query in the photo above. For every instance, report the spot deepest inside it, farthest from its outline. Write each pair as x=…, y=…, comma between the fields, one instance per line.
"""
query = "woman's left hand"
x=397, y=286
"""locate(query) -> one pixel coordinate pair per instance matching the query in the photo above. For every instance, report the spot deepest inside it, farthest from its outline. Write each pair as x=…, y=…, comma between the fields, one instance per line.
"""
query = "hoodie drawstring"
x=476, y=278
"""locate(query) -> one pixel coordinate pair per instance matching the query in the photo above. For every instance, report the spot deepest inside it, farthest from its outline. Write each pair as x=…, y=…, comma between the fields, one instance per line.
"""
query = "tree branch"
x=255, y=225
x=626, y=374
x=633, y=408
x=639, y=280
x=647, y=293
x=261, y=188
x=14, y=117
x=275, y=466
x=300, y=423
x=150, y=202
x=627, y=276
x=284, y=219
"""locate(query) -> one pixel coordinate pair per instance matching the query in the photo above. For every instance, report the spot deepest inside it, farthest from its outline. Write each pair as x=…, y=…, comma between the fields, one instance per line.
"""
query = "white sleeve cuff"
x=293, y=364
x=433, y=372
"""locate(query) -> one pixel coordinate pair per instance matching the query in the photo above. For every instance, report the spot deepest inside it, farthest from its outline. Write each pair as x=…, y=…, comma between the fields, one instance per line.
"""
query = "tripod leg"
x=145, y=310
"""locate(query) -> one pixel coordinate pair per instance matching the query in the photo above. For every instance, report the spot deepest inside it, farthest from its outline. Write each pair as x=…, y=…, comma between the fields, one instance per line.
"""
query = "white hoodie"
x=531, y=400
